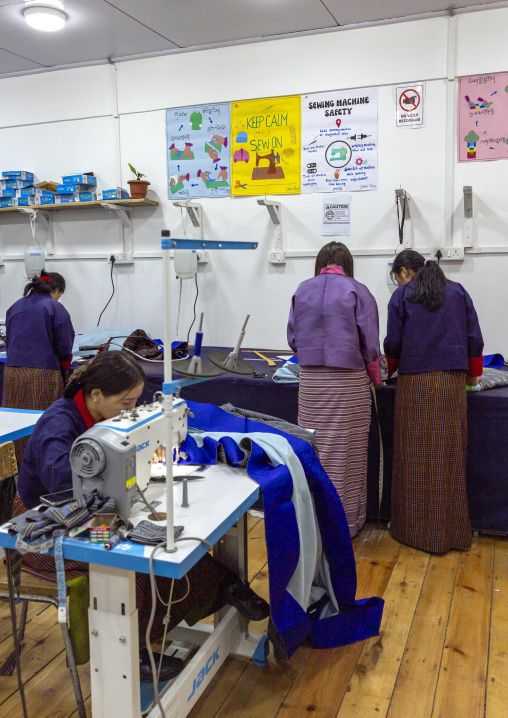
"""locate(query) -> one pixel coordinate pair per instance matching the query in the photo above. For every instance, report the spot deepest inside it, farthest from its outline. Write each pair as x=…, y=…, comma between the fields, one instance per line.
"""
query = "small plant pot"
x=138, y=188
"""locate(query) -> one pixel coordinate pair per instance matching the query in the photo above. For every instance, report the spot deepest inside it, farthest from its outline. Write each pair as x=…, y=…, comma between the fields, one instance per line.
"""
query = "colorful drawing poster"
x=198, y=147
x=339, y=141
x=483, y=118
x=265, y=146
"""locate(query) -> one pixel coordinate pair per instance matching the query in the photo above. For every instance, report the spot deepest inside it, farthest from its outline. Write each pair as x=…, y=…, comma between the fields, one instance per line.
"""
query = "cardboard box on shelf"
x=23, y=201
x=6, y=201
x=80, y=179
x=14, y=184
x=115, y=193
x=8, y=193
x=51, y=186
x=66, y=198
x=19, y=174
x=87, y=196
x=33, y=192
x=70, y=188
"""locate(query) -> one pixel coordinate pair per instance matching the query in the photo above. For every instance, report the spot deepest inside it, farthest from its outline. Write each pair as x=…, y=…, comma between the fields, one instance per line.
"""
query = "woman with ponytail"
x=435, y=342
x=113, y=381
x=333, y=327
x=39, y=339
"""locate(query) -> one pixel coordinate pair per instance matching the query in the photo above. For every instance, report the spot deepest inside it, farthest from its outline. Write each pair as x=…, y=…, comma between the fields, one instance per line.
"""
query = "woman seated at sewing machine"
x=111, y=382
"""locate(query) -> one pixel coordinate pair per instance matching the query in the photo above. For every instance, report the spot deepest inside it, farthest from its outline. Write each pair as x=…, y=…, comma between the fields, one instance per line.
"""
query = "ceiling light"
x=47, y=19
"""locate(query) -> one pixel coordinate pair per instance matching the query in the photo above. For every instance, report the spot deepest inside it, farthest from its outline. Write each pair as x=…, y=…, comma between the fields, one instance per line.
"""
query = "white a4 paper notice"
x=336, y=214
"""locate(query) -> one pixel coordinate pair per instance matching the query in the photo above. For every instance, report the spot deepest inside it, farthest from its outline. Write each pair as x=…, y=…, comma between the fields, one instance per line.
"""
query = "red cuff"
x=392, y=365
x=66, y=364
x=475, y=366
x=373, y=369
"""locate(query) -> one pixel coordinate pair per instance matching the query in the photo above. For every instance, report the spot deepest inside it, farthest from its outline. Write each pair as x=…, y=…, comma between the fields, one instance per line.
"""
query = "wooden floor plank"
x=462, y=679
x=421, y=661
x=219, y=689
x=375, y=674
x=324, y=679
x=497, y=680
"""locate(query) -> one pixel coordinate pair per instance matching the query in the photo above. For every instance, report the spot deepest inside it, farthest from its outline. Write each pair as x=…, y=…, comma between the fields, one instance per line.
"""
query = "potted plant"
x=138, y=186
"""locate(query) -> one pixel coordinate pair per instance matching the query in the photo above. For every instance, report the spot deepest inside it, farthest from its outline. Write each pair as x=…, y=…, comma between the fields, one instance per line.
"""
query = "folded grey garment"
x=491, y=379
x=148, y=533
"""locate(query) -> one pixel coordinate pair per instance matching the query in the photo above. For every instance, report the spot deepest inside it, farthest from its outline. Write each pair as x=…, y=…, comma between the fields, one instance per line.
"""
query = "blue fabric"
x=289, y=373
x=358, y=619
x=46, y=467
x=433, y=341
x=493, y=361
x=39, y=333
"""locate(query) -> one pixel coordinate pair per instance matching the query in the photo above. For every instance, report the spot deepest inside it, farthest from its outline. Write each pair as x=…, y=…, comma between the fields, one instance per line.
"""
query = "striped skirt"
x=429, y=501
x=337, y=404
x=30, y=388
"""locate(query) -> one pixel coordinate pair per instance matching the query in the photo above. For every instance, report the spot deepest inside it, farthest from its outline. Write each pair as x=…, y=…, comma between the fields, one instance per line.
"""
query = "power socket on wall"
x=123, y=259
x=448, y=254
x=277, y=257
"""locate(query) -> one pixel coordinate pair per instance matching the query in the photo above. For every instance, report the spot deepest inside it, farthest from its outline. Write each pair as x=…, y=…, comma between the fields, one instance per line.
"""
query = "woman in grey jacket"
x=334, y=329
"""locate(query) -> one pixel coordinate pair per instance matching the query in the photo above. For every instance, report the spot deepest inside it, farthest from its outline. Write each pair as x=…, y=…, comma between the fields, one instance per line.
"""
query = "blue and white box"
x=8, y=193
x=115, y=193
x=6, y=201
x=87, y=196
x=14, y=184
x=47, y=199
x=66, y=198
x=80, y=179
x=36, y=192
x=23, y=201
x=71, y=188
x=19, y=174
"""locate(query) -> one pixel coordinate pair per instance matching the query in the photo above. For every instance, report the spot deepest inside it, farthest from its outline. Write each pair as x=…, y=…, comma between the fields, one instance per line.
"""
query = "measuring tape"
x=60, y=575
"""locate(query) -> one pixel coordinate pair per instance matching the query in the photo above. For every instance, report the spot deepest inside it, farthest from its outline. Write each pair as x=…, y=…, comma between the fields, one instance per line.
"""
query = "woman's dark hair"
x=430, y=282
x=42, y=286
x=112, y=372
x=334, y=253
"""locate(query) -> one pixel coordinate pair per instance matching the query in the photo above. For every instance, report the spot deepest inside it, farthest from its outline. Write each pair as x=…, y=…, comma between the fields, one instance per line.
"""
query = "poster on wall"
x=265, y=146
x=339, y=141
x=409, y=105
x=483, y=118
x=198, y=151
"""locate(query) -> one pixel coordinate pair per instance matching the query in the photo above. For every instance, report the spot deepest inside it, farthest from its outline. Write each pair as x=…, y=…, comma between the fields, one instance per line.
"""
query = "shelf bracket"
x=124, y=215
x=277, y=254
x=45, y=220
x=194, y=212
x=402, y=201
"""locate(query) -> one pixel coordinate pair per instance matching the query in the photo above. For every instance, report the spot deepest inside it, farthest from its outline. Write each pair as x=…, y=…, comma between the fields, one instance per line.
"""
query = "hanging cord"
x=155, y=596
x=195, y=302
x=112, y=260
x=179, y=307
x=400, y=223
x=12, y=606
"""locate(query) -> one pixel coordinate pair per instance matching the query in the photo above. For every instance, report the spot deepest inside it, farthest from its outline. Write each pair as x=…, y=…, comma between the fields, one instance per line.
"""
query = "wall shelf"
x=85, y=205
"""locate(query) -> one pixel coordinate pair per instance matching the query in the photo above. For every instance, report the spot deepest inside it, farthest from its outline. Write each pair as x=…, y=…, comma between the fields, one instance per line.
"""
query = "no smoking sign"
x=409, y=105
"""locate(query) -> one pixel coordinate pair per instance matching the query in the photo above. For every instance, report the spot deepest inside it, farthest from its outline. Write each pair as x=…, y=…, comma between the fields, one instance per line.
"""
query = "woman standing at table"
x=334, y=328
x=435, y=341
x=39, y=339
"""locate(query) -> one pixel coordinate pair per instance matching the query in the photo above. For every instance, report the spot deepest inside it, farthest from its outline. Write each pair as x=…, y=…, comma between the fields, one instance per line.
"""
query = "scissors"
x=238, y=185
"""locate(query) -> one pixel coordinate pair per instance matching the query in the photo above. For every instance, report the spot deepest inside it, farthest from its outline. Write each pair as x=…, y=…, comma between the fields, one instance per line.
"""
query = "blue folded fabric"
x=493, y=361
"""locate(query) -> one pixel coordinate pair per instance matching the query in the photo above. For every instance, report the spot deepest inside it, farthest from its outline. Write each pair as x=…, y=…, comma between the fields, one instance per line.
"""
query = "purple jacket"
x=39, y=333
x=334, y=322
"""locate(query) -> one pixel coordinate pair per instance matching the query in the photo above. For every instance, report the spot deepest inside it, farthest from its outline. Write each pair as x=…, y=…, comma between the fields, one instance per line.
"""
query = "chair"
x=36, y=589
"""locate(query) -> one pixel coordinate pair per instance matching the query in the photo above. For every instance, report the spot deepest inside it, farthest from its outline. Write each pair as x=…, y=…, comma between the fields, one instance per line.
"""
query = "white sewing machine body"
x=116, y=455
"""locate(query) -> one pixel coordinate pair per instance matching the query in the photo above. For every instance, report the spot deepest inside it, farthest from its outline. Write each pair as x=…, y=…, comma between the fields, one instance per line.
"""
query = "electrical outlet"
x=123, y=259
x=448, y=254
x=277, y=257
x=203, y=257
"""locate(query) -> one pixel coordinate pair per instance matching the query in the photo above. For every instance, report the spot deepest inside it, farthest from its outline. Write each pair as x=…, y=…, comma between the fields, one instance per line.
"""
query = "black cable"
x=17, y=648
x=195, y=302
x=112, y=260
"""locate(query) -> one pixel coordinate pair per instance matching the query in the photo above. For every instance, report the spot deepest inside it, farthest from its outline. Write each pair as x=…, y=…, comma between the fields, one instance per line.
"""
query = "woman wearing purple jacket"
x=334, y=329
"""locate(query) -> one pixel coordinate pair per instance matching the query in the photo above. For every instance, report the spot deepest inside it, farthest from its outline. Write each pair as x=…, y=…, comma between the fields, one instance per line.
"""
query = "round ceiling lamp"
x=47, y=19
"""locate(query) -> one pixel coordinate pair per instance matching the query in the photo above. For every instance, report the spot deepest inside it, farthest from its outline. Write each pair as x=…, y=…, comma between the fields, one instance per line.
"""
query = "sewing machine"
x=272, y=171
x=115, y=456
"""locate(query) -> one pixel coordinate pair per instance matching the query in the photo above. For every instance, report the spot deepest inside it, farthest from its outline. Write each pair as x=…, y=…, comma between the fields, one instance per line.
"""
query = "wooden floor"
x=442, y=650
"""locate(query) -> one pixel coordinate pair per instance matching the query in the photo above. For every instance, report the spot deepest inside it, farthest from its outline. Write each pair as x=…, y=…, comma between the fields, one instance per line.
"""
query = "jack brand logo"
x=198, y=680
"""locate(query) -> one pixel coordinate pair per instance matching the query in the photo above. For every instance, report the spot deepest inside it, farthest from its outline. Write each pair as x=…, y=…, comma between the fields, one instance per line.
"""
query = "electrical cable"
x=17, y=647
x=155, y=595
x=195, y=302
x=112, y=260
x=179, y=307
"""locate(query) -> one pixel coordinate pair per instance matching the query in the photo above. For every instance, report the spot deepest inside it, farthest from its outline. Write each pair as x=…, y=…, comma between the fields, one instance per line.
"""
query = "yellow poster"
x=265, y=146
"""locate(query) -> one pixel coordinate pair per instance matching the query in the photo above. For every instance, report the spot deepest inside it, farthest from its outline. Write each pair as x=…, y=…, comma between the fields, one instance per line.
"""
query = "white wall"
x=75, y=120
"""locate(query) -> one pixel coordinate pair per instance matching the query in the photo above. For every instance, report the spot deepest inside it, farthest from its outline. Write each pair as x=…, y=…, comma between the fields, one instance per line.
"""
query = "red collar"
x=83, y=410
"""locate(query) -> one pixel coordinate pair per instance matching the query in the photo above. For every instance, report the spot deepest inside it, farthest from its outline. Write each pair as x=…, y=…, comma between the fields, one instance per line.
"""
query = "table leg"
x=114, y=643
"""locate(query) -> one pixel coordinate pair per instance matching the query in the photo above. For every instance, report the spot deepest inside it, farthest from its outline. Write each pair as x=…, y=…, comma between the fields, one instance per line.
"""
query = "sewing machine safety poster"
x=483, y=118
x=339, y=141
x=265, y=146
x=198, y=151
